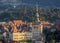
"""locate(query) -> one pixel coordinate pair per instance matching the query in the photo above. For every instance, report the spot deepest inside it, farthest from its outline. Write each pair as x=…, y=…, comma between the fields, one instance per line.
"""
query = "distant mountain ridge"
x=41, y=3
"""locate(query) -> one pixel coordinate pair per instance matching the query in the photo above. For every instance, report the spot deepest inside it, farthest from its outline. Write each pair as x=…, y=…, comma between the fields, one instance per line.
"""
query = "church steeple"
x=37, y=13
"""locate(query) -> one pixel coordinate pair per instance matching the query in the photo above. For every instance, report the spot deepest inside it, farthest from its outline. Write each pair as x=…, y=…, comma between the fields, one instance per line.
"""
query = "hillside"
x=27, y=13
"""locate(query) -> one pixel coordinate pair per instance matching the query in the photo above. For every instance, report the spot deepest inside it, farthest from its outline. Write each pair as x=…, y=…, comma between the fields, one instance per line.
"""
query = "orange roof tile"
x=45, y=23
x=18, y=22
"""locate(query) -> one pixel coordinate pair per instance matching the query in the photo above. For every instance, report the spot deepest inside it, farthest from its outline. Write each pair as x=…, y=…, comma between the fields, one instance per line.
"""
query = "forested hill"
x=28, y=14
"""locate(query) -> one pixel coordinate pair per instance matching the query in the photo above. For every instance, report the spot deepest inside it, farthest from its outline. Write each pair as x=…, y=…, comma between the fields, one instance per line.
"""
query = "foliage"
x=29, y=13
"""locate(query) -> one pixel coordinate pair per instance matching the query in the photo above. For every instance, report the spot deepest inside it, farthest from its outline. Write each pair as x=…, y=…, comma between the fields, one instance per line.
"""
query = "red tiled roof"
x=45, y=23
x=18, y=22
